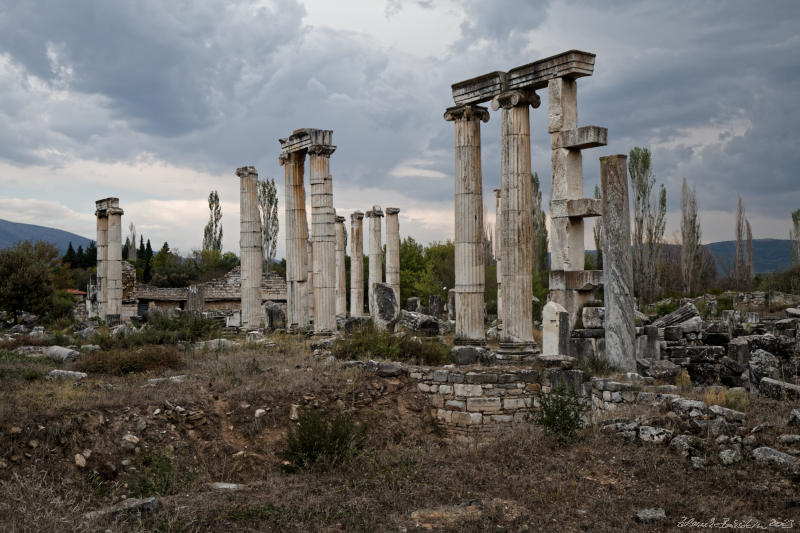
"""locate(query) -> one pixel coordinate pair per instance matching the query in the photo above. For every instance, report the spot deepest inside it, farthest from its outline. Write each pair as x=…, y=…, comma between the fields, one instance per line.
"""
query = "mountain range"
x=14, y=232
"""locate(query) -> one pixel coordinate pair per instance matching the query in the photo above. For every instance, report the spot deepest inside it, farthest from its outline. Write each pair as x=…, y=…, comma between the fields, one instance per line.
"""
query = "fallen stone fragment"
x=129, y=442
x=61, y=354
x=792, y=312
x=220, y=485
x=647, y=516
x=131, y=505
x=779, y=460
x=794, y=418
x=389, y=370
x=654, y=434
x=80, y=460
x=778, y=390
x=730, y=415
x=294, y=412
x=65, y=374
x=685, y=406
x=730, y=456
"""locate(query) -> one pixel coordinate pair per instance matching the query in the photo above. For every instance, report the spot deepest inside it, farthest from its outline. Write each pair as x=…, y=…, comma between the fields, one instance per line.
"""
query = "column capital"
x=107, y=206
x=244, y=172
x=466, y=112
x=497, y=192
x=325, y=150
x=375, y=212
x=392, y=210
x=517, y=97
x=283, y=158
x=356, y=215
x=339, y=219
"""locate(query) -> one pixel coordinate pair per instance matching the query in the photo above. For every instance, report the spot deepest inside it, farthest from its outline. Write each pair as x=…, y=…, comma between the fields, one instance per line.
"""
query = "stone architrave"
x=393, y=250
x=375, y=254
x=323, y=238
x=109, y=259
x=341, y=280
x=251, y=255
x=498, y=238
x=619, y=320
x=469, y=248
x=516, y=203
x=357, y=264
x=296, y=238
x=555, y=329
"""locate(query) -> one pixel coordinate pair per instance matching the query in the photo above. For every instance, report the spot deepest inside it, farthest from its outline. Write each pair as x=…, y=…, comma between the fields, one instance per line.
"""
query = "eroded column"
x=375, y=252
x=310, y=283
x=516, y=339
x=393, y=250
x=469, y=248
x=323, y=218
x=296, y=238
x=102, y=256
x=250, y=253
x=341, y=280
x=498, y=248
x=114, y=264
x=619, y=320
x=357, y=263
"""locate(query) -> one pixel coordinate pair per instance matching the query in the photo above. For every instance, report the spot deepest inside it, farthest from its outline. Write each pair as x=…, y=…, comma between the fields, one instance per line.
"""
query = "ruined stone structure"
x=357, y=263
x=109, y=259
x=250, y=251
x=375, y=252
x=341, y=281
x=307, y=300
x=393, y=250
x=469, y=260
x=620, y=334
x=498, y=247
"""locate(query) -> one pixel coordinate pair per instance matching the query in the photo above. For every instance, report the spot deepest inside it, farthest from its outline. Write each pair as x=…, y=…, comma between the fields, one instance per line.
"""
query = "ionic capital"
x=392, y=210
x=244, y=172
x=509, y=99
x=324, y=150
x=339, y=219
x=283, y=158
x=356, y=215
x=466, y=112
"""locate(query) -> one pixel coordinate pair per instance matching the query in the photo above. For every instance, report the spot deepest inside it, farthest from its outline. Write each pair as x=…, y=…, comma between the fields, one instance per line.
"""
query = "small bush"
x=595, y=366
x=683, y=381
x=369, y=341
x=737, y=400
x=157, y=475
x=322, y=439
x=724, y=303
x=667, y=307
x=561, y=414
x=121, y=362
x=162, y=329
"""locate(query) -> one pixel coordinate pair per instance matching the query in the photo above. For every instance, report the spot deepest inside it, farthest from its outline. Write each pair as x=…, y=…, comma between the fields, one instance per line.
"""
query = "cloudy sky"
x=158, y=102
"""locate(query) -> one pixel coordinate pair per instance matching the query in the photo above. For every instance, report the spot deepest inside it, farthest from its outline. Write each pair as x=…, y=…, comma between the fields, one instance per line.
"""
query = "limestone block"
x=484, y=404
x=386, y=309
x=466, y=390
x=592, y=317
x=555, y=330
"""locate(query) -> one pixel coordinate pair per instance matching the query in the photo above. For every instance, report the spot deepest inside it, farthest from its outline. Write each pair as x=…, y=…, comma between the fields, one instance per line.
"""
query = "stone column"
x=323, y=230
x=620, y=335
x=498, y=252
x=375, y=254
x=516, y=202
x=357, y=263
x=469, y=249
x=341, y=280
x=393, y=250
x=250, y=253
x=114, y=264
x=296, y=238
x=310, y=284
x=102, y=257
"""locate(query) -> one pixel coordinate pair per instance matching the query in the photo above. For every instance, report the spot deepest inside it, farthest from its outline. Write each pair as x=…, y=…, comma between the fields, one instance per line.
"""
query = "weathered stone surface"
x=390, y=370
x=792, y=312
x=555, y=333
x=131, y=505
x=778, y=390
x=684, y=405
x=730, y=456
x=65, y=374
x=386, y=308
x=779, y=460
x=794, y=418
x=275, y=317
x=762, y=364
x=466, y=355
x=215, y=344
x=357, y=264
x=61, y=354
x=654, y=434
x=686, y=445
x=660, y=369
x=129, y=442
x=419, y=323
x=693, y=325
x=730, y=415
x=647, y=516
x=681, y=314
x=592, y=317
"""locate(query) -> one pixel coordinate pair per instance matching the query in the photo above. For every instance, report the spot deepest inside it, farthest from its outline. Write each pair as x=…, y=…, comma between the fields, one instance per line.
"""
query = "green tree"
x=212, y=235
x=691, y=247
x=540, y=263
x=26, y=277
x=70, y=256
x=648, y=224
x=268, y=208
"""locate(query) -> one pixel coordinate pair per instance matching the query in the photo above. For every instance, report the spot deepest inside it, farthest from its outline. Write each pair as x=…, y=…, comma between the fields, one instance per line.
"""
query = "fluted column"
x=341, y=280
x=310, y=283
x=469, y=248
x=393, y=250
x=498, y=252
x=375, y=253
x=296, y=238
x=102, y=258
x=250, y=253
x=323, y=219
x=357, y=263
x=516, y=339
x=619, y=318
x=114, y=263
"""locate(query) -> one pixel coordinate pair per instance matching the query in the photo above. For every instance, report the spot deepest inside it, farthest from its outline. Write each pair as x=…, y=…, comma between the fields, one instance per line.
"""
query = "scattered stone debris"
x=648, y=516
x=57, y=374
x=61, y=354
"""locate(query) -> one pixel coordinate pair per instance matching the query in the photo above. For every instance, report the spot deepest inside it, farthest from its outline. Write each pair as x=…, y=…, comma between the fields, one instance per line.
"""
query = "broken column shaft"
x=469, y=248
x=296, y=238
x=516, y=339
x=250, y=253
x=498, y=235
x=393, y=250
x=323, y=230
x=619, y=320
x=375, y=254
x=341, y=280
x=357, y=263
x=109, y=259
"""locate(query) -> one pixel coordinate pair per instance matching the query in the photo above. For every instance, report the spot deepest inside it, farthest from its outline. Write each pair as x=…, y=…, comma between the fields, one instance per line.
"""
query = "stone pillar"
x=555, y=329
x=296, y=238
x=375, y=252
x=357, y=263
x=498, y=249
x=393, y=251
x=109, y=259
x=620, y=335
x=516, y=202
x=250, y=253
x=469, y=249
x=323, y=230
x=341, y=280
x=102, y=257
x=310, y=277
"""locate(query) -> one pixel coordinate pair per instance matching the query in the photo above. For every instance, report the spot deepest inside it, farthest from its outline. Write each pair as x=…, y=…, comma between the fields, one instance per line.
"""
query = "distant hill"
x=769, y=255
x=14, y=232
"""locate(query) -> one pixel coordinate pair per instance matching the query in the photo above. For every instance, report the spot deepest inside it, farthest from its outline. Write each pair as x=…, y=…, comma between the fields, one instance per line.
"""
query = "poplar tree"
x=212, y=235
x=649, y=222
x=268, y=209
x=691, y=249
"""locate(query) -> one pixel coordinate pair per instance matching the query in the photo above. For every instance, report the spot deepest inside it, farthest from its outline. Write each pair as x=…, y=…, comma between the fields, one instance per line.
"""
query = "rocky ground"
x=195, y=446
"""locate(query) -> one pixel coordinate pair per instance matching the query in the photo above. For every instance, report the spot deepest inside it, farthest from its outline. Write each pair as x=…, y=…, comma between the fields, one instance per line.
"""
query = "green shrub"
x=667, y=307
x=127, y=361
x=724, y=303
x=369, y=341
x=595, y=366
x=162, y=329
x=561, y=414
x=157, y=475
x=323, y=439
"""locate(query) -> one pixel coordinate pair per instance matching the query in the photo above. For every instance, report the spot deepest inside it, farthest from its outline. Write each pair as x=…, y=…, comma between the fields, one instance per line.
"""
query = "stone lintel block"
x=516, y=403
x=578, y=280
x=304, y=138
x=466, y=390
x=580, y=207
x=580, y=138
x=484, y=404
